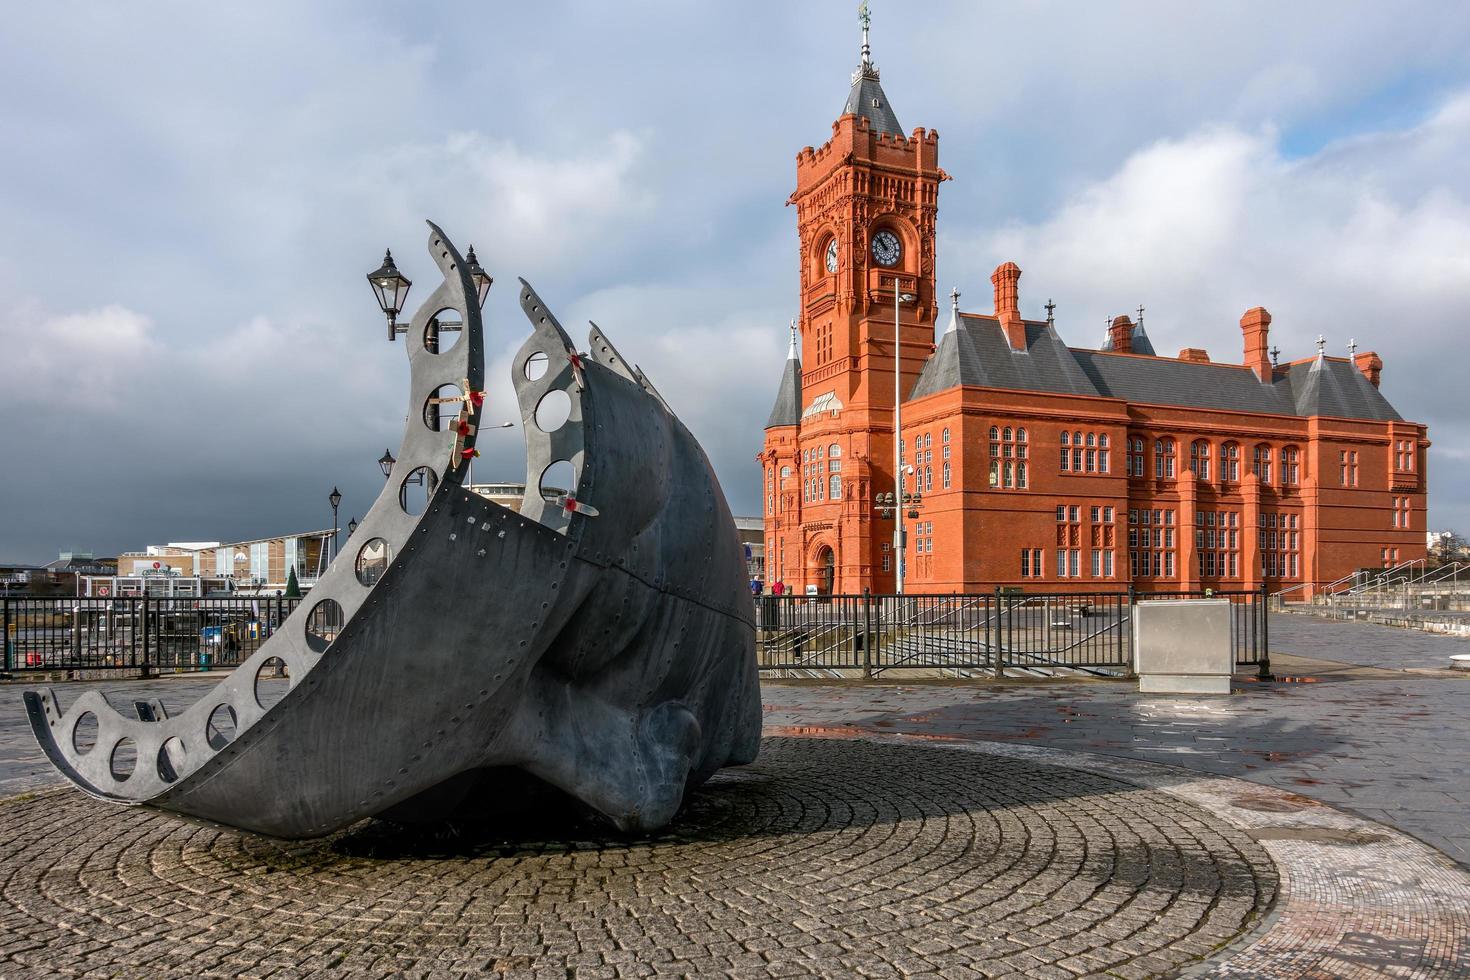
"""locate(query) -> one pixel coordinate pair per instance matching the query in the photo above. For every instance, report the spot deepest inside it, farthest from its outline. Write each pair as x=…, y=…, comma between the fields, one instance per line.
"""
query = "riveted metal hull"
x=601, y=640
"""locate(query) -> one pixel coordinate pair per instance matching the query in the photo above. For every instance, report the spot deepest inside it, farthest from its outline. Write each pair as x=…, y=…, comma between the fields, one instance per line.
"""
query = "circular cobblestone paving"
x=828, y=857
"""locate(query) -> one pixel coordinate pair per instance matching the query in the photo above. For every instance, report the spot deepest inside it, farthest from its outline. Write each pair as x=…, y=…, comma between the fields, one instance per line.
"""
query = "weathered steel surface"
x=601, y=641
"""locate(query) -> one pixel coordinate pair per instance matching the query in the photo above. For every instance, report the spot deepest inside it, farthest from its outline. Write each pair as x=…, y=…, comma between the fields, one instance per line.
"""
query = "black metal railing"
x=148, y=634
x=1007, y=632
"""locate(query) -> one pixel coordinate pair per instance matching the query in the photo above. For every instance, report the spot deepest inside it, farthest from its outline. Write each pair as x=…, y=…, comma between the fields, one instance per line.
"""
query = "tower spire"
x=791, y=353
x=866, y=97
x=954, y=310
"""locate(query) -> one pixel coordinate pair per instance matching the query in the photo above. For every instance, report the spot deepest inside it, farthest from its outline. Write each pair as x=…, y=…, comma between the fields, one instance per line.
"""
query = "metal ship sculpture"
x=601, y=640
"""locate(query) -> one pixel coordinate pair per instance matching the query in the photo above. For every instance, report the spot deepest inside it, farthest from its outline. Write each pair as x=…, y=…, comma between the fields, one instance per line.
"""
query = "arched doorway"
x=826, y=571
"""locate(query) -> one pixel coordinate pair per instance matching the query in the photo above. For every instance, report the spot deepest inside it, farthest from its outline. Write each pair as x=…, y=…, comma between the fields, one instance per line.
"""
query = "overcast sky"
x=190, y=196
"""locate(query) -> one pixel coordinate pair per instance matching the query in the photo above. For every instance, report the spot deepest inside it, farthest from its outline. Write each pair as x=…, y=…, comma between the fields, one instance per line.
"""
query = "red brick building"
x=1039, y=463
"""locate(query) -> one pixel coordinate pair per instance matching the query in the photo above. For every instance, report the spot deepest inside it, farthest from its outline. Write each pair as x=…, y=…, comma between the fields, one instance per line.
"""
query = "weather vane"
x=1051, y=309
x=1140, y=314
x=1275, y=353
x=1352, y=346
x=954, y=299
x=1321, y=345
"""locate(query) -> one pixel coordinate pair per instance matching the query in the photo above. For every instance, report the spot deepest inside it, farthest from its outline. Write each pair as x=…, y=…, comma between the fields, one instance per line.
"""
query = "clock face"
x=832, y=255
x=886, y=249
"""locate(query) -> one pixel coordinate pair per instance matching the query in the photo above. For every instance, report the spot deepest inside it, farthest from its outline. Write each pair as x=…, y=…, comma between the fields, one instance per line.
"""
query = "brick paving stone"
x=826, y=857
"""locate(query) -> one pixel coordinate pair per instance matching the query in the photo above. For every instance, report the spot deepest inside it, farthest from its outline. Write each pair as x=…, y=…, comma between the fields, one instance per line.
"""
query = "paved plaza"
x=949, y=829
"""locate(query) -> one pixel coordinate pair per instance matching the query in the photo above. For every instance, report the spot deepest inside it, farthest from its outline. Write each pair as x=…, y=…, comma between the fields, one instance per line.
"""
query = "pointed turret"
x=787, y=410
x=866, y=98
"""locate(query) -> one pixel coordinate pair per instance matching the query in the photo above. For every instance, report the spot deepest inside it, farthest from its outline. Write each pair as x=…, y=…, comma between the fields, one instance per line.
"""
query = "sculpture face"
x=602, y=640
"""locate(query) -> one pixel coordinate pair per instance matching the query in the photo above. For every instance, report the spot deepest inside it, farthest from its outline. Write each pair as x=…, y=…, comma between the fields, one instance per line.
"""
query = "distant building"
x=752, y=531
x=259, y=566
x=507, y=495
x=56, y=578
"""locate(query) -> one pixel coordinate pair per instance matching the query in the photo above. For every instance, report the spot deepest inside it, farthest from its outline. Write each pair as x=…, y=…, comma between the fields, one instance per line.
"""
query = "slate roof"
x=787, y=410
x=1335, y=387
x=866, y=99
x=977, y=354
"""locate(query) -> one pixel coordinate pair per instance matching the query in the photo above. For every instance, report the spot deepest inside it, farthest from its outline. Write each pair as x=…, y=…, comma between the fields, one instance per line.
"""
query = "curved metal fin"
x=535, y=309
x=603, y=352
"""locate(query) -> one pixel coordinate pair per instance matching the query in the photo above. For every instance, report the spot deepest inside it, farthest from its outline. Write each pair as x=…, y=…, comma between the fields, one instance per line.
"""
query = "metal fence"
x=147, y=634
x=1004, y=633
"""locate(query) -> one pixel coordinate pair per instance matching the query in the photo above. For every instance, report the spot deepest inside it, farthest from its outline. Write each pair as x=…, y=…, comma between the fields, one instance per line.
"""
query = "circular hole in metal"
x=124, y=759
x=171, y=759
x=443, y=331
x=84, y=734
x=535, y=367
x=272, y=681
x=323, y=624
x=558, y=480
x=442, y=407
x=417, y=489
x=219, y=730
x=372, y=561
x=553, y=410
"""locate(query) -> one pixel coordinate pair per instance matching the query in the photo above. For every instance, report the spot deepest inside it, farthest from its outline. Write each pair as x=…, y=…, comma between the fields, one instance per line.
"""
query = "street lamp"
x=391, y=288
x=479, y=276
x=334, y=498
x=898, y=536
x=351, y=526
x=385, y=463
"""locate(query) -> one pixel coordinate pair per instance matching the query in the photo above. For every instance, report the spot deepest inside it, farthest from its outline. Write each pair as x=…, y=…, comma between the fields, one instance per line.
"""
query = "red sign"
x=104, y=591
x=157, y=565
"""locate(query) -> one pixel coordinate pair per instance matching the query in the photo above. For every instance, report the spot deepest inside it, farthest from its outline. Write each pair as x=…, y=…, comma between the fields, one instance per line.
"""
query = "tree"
x=293, y=588
x=1449, y=548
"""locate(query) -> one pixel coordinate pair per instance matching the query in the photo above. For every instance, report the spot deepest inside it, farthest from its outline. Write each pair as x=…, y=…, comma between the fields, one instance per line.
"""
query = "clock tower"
x=866, y=203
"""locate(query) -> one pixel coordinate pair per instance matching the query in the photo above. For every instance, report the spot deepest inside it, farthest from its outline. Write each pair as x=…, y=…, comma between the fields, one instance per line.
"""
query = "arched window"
x=1230, y=462
x=834, y=450
x=928, y=439
x=945, y=437
x=1066, y=438
x=1135, y=456
x=1199, y=459
x=1006, y=434
x=1261, y=463
x=835, y=487
x=1021, y=475
x=1290, y=466
x=1164, y=459
x=928, y=478
x=994, y=433
x=1020, y=435
x=946, y=475
x=1092, y=439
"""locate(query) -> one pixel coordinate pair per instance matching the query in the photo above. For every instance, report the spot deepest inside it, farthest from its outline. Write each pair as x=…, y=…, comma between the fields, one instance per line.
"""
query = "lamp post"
x=385, y=463
x=898, y=536
x=351, y=526
x=391, y=288
x=335, y=499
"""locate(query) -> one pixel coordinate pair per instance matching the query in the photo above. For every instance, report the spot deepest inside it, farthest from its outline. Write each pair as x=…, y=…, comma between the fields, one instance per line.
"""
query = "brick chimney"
x=1121, y=333
x=1371, y=365
x=1198, y=354
x=1256, y=325
x=1006, y=279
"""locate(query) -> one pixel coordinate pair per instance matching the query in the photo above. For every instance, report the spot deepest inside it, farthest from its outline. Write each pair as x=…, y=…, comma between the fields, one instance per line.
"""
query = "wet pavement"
x=1363, y=644
x=1361, y=730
